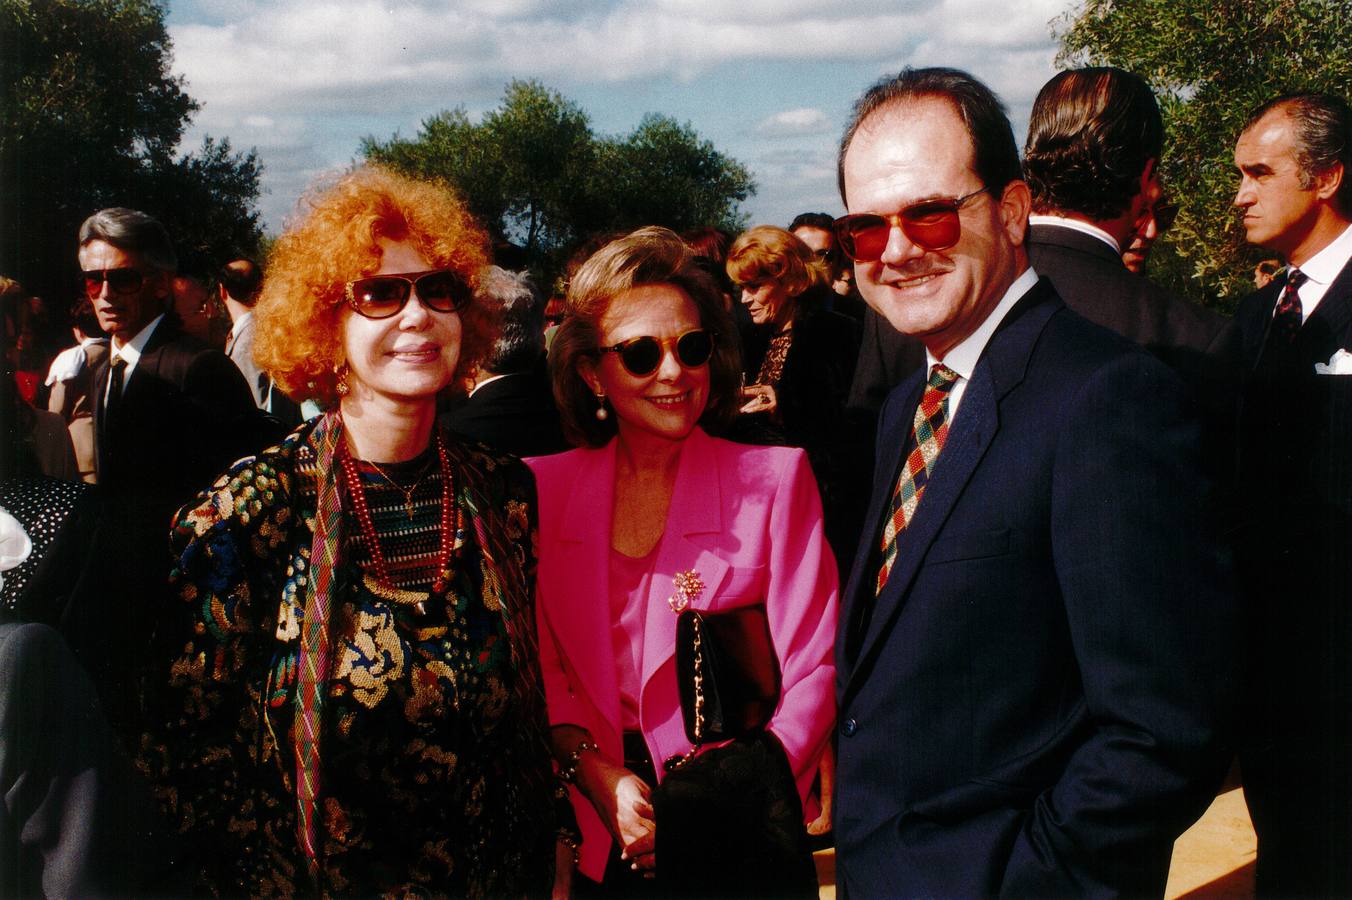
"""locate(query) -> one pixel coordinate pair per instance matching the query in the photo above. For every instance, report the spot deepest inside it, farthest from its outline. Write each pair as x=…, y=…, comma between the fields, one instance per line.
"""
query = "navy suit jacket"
x=1034, y=706
x=1296, y=441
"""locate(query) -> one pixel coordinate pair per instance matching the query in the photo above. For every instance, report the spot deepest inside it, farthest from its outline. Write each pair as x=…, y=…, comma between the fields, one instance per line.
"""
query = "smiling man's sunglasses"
x=641, y=356
x=381, y=296
x=125, y=280
x=930, y=224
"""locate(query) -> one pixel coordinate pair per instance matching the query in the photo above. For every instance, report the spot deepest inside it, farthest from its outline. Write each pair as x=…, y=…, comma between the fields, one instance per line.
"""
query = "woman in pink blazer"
x=651, y=514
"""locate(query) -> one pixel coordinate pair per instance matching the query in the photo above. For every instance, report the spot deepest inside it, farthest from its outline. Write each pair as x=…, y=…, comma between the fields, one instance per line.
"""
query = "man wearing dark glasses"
x=1037, y=640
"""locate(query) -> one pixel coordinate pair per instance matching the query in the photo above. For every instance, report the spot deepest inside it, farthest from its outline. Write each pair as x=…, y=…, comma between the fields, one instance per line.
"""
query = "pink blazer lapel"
x=583, y=618
x=696, y=508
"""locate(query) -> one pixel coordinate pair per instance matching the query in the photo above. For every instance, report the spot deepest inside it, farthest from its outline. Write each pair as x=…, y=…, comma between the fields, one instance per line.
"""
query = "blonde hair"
x=769, y=253
x=651, y=255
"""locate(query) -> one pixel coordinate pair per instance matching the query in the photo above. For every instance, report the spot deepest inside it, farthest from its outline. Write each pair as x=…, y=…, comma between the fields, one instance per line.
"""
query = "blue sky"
x=770, y=82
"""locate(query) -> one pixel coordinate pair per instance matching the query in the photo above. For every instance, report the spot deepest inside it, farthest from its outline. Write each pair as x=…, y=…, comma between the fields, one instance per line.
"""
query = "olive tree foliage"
x=535, y=173
x=1211, y=62
x=90, y=116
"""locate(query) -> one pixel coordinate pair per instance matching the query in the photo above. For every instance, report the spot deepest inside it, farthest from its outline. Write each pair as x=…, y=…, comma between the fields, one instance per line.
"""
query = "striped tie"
x=930, y=430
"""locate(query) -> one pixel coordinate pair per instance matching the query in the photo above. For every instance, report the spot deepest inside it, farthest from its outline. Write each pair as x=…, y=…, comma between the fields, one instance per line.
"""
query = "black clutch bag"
x=727, y=673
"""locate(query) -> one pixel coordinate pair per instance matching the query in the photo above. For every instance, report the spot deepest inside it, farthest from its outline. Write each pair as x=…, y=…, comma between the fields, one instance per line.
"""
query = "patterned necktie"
x=1288, y=316
x=929, y=431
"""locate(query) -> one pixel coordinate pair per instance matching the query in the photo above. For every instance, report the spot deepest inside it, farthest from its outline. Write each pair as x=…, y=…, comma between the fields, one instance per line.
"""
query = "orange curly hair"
x=297, y=339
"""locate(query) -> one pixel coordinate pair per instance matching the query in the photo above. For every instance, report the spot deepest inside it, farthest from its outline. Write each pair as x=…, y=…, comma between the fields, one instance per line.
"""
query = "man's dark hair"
x=1323, y=130
x=133, y=232
x=995, y=153
x=813, y=220
x=519, y=310
x=241, y=279
x=1091, y=134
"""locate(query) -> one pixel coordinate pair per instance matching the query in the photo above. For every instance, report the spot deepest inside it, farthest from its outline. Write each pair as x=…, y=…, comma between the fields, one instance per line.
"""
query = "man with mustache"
x=1037, y=640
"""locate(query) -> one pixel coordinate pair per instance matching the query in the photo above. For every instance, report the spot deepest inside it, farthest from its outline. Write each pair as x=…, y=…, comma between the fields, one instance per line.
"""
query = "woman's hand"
x=624, y=802
x=760, y=398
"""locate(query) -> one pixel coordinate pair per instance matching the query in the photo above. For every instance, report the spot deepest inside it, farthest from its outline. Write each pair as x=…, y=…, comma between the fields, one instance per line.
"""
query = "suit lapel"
x=893, y=438
x=583, y=617
x=1001, y=368
x=1323, y=332
x=696, y=508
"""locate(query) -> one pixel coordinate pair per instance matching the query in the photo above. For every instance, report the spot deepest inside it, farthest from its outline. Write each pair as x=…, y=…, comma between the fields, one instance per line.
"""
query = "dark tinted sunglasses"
x=382, y=296
x=641, y=356
x=930, y=224
x=125, y=280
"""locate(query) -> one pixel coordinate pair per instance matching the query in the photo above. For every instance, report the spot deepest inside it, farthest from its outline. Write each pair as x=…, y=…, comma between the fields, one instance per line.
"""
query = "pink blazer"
x=748, y=520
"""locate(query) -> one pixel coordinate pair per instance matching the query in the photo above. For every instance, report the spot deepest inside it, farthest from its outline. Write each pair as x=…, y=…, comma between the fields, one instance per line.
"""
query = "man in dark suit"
x=1091, y=159
x=169, y=411
x=511, y=407
x=1037, y=640
x=1294, y=158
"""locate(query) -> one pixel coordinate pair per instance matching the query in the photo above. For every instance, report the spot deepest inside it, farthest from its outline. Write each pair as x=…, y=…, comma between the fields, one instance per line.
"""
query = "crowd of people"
x=936, y=532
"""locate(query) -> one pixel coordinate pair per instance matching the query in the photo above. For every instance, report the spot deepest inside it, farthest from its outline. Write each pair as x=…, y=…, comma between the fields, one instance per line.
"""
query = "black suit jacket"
x=185, y=414
x=812, y=393
x=515, y=414
x=1295, y=454
x=1295, y=471
x=1034, y=704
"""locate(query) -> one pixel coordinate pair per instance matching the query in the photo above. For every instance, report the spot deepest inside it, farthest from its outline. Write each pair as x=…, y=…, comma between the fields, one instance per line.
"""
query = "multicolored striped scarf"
x=325, y=553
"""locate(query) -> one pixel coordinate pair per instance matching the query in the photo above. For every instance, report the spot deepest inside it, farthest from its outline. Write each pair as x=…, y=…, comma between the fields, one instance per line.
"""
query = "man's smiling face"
x=918, y=150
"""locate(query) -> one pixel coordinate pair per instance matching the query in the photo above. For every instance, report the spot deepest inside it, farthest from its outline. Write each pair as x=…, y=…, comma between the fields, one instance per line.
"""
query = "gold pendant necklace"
x=407, y=492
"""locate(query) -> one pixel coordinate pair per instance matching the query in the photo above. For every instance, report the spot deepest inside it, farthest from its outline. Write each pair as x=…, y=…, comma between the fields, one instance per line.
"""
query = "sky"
x=769, y=82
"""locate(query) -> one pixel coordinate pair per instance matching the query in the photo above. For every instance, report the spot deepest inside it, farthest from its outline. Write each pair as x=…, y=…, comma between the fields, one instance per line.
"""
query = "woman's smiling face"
x=667, y=402
x=412, y=354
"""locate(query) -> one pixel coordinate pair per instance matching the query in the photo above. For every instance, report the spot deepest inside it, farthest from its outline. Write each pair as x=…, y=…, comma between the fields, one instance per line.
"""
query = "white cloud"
x=303, y=80
x=804, y=120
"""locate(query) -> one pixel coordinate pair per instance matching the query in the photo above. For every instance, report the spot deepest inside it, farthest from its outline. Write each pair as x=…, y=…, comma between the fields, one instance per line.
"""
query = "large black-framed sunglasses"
x=123, y=280
x=931, y=225
x=382, y=296
x=641, y=356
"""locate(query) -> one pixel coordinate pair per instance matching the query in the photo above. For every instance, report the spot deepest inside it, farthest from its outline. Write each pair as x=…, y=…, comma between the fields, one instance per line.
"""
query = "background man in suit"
x=1032, y=671
x=511, y=407
x=169, y=414
x=1091, y=159
x=169, y=410
x=1295, y=195
x=238, y=283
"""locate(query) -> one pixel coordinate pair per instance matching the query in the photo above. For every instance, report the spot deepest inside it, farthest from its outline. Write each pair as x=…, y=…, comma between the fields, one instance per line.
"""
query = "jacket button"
x=849, y=727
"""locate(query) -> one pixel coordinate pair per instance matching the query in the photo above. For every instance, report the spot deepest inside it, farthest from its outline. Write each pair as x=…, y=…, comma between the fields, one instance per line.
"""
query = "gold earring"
x=341, y=388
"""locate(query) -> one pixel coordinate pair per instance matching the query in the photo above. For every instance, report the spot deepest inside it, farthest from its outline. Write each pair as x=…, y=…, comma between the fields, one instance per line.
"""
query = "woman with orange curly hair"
x=354, y=705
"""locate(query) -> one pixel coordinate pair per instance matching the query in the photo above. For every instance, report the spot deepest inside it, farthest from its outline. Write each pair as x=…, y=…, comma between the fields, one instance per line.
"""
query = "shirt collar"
x=132, y=350
x=963, y=358
x=1325, y=265
x=1078, y=225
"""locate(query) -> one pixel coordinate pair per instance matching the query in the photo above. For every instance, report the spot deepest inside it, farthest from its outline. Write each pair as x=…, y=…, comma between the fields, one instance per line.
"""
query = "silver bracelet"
x=569, y=772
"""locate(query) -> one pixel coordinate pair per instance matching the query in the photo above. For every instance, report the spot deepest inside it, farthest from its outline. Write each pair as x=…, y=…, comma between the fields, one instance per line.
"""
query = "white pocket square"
x=1339, y=363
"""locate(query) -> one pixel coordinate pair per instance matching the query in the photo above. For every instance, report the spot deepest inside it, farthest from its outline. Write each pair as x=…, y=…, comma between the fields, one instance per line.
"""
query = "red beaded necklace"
x=452, y=522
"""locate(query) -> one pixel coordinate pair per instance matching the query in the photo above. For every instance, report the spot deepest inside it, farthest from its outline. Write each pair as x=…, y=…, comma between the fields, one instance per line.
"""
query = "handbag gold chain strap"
x=697, y=646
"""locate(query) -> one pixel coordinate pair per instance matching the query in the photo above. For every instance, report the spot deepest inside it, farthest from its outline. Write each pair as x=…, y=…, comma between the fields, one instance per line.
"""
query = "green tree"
x=534, y=171
x=664, y=173
x=1211, y=62
x=90, y=117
